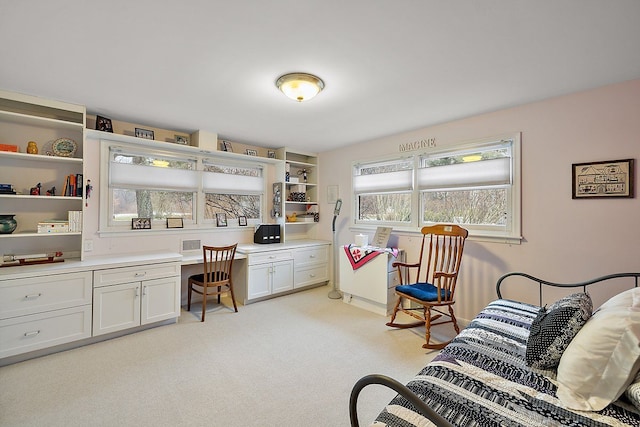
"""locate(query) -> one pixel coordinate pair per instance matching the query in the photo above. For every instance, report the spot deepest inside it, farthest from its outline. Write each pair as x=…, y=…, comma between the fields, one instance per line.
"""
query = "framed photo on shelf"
x=141, y=223
x=271, y=154
x=226, y=146
x=175, y=223
x=242, y=221
x=144, y=133
x=251, y=152
x=221, y=219
x=103, y=124
x=608, y=179
x=181, y=139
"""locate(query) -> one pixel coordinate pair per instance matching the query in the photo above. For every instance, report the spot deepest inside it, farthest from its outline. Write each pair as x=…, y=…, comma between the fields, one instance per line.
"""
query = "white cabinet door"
x=281, y=276
x=258, y=281
x=160, y=299
x=116, y=307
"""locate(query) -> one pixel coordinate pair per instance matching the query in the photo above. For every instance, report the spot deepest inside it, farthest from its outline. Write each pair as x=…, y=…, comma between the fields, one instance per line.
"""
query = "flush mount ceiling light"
x=300, y=86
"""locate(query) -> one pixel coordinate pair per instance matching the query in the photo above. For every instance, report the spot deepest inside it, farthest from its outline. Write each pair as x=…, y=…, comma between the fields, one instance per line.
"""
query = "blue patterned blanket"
x=481, y=379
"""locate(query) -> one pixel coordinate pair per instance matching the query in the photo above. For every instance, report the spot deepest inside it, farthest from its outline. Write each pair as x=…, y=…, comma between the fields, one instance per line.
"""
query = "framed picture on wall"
x=221, y=219
x=608, y=179
x=242, y=221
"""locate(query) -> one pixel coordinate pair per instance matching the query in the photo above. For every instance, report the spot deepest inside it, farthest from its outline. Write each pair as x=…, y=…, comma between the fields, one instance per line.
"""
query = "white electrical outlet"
x=88, y=245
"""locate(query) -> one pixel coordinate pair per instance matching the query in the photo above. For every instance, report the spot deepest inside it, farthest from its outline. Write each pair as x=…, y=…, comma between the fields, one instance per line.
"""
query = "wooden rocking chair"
x=434, y=290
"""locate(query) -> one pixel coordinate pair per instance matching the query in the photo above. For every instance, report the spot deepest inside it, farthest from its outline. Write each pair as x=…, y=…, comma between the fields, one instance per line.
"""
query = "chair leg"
x=453, y=319
x=427, y=325
x=219, y=290
x=189, y=289
x=204, y=301
x=395, y=312
x=233, y=297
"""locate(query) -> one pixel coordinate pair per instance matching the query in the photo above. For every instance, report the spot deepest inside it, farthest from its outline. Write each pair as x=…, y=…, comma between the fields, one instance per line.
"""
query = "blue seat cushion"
x=422, y=291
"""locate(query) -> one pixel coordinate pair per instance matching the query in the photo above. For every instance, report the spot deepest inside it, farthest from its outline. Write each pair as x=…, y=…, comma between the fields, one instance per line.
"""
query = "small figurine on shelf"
x=303, y=172
x=87, y=192
x=32, y=147
x=51, y=192
x=35, y=191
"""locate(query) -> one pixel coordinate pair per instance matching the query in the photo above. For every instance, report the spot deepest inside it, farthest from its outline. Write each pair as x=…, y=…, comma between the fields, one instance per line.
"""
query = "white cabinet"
x=274, y=269
x=40, y=312
x=311, y=265
x=269, y=273
x=372, y=285
x=132, y=296
x=58, y=130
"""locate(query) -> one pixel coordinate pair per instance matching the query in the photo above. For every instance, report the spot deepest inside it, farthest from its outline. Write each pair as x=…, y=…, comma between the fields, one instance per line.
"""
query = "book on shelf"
x=75, y=221
x=73, y=185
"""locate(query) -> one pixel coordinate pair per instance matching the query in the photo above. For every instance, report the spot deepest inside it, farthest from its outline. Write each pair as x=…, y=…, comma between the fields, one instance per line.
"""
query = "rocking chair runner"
x=435, y=288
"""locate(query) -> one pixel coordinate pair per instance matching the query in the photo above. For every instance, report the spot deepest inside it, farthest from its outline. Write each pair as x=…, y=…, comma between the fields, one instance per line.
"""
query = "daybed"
x=519, y=365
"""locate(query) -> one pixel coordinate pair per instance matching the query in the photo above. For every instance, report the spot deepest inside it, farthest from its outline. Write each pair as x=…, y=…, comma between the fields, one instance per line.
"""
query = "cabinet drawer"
x=137, y=273
x=27, y=333
x=311, y=255
x=261, y=258
x=310, y=275
x=19, y=297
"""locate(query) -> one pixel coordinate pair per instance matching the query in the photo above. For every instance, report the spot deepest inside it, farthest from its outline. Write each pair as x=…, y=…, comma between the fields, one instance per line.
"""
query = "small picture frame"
x=141, y=223
x=175, y=223
x=103, y=124
x=271, y=154
x=221, y=219
x=251, y=152
x=144, y=133
x=226, y=146
x=181, y=139
x=242, y=221
x=608, y=179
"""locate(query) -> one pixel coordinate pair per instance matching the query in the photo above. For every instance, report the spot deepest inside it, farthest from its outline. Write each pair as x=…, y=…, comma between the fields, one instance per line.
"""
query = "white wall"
x=565, y=240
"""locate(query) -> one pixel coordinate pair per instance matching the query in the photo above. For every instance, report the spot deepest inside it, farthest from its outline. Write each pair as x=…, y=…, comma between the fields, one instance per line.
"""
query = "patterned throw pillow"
x=633, y=392
x=553, y=329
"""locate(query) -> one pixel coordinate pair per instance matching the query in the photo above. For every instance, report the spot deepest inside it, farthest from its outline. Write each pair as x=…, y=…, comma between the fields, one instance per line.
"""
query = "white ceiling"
x=389, y=66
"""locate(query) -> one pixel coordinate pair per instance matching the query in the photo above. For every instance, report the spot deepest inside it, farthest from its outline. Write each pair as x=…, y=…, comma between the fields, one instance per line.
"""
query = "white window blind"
x=473, y=174
x=378, y=177
x=123, y=175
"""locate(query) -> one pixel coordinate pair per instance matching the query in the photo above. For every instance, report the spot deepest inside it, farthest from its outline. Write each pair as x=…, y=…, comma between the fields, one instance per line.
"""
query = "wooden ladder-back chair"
x=216, y=279
x=435, y=280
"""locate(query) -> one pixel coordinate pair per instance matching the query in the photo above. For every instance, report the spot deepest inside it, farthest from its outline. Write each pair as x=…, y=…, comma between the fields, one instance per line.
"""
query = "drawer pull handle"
x=312, y=256
x=32, y=296
x=312, y=275
x=31, y=334
x=141, y=274
x=272, y=256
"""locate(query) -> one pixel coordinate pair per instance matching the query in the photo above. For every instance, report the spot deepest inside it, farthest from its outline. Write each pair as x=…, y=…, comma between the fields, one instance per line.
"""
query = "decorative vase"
x=32, y=147
x=7, y=223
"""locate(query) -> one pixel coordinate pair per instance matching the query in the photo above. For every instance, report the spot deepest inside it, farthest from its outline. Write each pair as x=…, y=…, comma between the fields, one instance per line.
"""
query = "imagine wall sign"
x=417, y=145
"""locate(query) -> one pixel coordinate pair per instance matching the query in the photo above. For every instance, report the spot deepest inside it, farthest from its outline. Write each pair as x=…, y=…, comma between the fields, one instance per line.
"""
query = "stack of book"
x=75, y=221
x=73, y=186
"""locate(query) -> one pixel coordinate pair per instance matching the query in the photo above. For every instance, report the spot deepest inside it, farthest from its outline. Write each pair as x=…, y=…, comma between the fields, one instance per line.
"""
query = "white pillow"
x=604, y=357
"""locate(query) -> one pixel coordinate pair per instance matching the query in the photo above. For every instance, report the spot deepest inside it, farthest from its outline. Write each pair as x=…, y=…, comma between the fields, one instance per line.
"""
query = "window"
x=383, y=191
x=235, y=190
x=475, y=185
x=143, y=184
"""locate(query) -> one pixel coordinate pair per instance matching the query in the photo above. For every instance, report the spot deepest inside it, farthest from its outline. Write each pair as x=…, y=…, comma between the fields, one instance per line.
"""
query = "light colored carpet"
x=288, y=361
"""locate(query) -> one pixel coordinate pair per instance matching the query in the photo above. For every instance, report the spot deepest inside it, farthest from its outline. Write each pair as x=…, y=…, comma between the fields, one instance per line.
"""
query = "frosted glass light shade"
x=300, y=86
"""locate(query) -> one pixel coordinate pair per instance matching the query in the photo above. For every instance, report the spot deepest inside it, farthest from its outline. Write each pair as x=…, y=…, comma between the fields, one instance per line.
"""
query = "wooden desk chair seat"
x=439, y=261
x=216, y=278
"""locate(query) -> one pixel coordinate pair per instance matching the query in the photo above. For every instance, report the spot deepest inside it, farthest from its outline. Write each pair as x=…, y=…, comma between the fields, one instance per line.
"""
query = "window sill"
x=474, y=235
